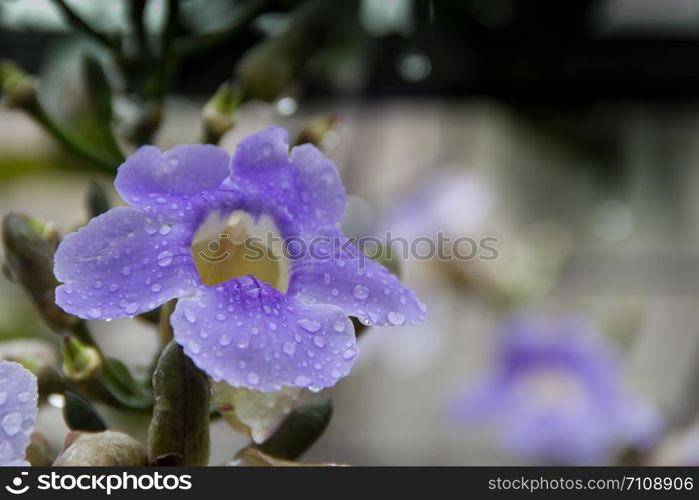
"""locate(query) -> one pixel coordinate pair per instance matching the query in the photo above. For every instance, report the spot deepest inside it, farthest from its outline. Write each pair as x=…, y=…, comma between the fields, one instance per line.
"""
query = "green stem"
x=167, y=53
x=136, y=9
x=69, y=140
x=78, y=22
x=82, y=332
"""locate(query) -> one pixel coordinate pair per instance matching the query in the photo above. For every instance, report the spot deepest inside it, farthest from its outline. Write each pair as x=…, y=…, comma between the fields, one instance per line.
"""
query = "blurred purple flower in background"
x=456, y=203
x=18, y=410
x=556, y=395
x=258, y=322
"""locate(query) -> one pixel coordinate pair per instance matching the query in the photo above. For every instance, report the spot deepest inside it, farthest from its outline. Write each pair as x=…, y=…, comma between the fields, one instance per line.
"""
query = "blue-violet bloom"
x=556, y=396
x=253, y=315
x=18, y=410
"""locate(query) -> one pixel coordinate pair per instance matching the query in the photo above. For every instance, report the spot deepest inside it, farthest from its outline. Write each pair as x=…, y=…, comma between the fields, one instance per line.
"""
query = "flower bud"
x=180, y=423
x=17, y=87
x=38, y=452
x=219, y=112
x=105, y=449
x=30, y=259
x=270, y=67
x=81, y=363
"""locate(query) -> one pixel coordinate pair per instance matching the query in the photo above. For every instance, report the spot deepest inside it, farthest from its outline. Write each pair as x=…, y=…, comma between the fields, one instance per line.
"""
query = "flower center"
x=238, y=245
x=551, y=387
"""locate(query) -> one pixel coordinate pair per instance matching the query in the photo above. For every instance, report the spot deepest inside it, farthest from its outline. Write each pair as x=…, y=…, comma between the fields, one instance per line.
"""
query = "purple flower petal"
x=248, y=334
x=18, y=410
x=162, y=182
x=346, y=278
x=122, y=264
x=303, y=188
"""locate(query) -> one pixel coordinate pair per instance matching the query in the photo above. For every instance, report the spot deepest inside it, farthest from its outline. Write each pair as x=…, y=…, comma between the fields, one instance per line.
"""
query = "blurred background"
x=567, y=130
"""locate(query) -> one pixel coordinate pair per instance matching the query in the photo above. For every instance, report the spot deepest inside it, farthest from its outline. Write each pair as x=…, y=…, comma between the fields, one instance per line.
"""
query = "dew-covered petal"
x=18, y=411
x=344, y=277
x=248, y=334
x=302, y=188
x=163, y=183
x=122, y=264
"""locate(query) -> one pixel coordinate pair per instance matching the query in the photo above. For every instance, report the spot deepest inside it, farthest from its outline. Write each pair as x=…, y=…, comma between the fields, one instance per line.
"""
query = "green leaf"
x=123, y=387
x=79, y=414
x=299, y=431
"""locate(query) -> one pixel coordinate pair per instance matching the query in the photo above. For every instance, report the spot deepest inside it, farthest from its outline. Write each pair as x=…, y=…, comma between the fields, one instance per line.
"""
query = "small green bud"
x=315, y=129
x=30, y=258
x=180, y=423
x=17, y=86
x=81, y=363
x=219, y=112
x=299, y=431
x=102, y=449
x=270, y=67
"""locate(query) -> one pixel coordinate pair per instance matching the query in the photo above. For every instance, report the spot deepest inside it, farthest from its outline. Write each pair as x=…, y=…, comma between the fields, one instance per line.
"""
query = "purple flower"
x=18, y=409
x=261, y=315
x=556, y=396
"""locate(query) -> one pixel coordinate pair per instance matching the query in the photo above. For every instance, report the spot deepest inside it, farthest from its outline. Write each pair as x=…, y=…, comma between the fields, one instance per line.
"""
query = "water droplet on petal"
x=221, y=317
x=131, y=308
x=319, y=341
x=156, y=287
x=98, y=284
x=165, y=229
x=189, y=316
x=165, y=258
x=361, y=292
x=349, y=354
x=395, y=318
x=224, y=340
x=94, y=313
x=302, y=381
x=339, y=325
x=289, y=348
x=253, y=378
x=23, y=397
x=310, y=325
x=193, y=346
x=126, y=270
x=12, y=423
